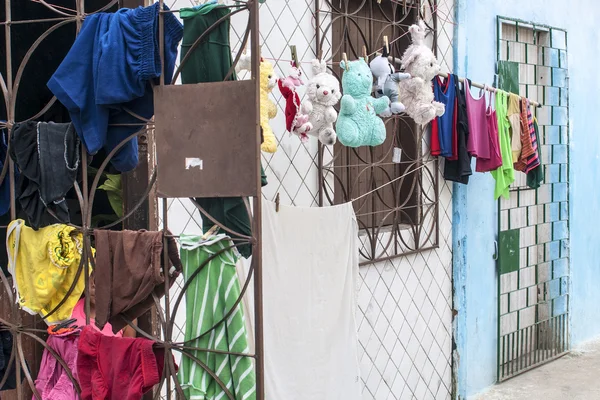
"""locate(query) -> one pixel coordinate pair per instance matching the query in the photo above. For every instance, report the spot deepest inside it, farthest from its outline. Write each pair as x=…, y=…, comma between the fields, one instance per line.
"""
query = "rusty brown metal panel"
x=211, y=128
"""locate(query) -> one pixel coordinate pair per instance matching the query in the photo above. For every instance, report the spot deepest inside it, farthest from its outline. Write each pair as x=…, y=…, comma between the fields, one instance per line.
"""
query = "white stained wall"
x=404, y=316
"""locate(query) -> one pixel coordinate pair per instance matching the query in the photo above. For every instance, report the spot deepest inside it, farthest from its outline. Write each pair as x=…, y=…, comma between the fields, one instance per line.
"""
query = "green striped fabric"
x=209, y=297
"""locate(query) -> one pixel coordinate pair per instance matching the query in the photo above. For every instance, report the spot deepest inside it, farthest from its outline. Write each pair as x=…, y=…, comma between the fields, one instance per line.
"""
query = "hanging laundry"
x=459, y=170
x=495, y=160
x=505, y=175
x=210, y=62
x=445, y=93
x=310, y=337
x=47, y=155
x=129, y=272
x=6, y=348
x=514, y=117
x=210, y=296
x=435, y=148
x=108, y=73
x=528, y=158
x=478, y=144
x=454, y=155
x=535, y=177
x=53, y=381
x=111, y=368
x=44, y=266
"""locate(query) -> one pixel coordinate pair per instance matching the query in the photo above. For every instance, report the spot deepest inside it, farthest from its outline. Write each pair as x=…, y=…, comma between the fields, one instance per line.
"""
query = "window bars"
x=27, y=332
x=401, y=217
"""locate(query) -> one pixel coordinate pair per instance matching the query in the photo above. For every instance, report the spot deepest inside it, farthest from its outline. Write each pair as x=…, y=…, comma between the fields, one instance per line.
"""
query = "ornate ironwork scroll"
x=394, y=187
x=29, y=332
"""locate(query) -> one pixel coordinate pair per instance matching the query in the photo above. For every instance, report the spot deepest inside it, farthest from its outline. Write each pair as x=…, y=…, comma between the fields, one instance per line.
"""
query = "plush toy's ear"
x=417, y=32
x=343, y=65
x=318, y=67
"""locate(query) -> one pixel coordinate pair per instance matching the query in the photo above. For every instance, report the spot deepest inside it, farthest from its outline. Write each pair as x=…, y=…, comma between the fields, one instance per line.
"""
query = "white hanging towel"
x=310, y=271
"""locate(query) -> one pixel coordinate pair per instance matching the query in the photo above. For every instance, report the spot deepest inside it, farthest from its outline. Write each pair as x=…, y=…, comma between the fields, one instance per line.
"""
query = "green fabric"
x=504, y=175
x=211, y=294
x=535, y=177
x=112, y=186
x=211, y=59
x=210, y=62
x=508, y=76
x=508, y=247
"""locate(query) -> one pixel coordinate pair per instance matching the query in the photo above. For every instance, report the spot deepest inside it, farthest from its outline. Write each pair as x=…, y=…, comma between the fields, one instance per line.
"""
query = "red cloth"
x=112, y=368
x=292, y=105
x=435, y=138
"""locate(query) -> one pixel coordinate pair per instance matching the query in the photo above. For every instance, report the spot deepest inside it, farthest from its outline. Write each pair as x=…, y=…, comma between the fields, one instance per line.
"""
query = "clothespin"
x=277, y=202
x=294, y=56
x=210, y=232
x=378, y=1
x=345, y=58
x=365, y=55
x=386, y=43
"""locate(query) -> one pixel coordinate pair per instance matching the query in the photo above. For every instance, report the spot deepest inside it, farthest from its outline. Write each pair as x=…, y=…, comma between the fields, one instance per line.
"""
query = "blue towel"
x=109, y=70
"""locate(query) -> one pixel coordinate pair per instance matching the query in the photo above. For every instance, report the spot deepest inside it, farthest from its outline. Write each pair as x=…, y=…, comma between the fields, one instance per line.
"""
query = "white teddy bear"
x=416, y=93
x=323, y=92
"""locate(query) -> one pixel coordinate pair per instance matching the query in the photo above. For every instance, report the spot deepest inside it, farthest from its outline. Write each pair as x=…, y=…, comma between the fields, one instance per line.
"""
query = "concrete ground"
x=575, y=376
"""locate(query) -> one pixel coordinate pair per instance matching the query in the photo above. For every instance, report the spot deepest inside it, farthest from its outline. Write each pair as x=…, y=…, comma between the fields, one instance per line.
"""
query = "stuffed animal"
x=416, y=93
x=358, y=123
x=322, y=94
x=387, y=82
x=296, y=122
x=268, y=109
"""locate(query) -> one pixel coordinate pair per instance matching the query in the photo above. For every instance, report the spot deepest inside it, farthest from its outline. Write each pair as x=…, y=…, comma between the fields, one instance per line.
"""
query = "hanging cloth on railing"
x=210, y=297
x=108, y=71
x=44, y=266
x=52, y=381
x=47, y=154
x=310, y=335
x=130, y=272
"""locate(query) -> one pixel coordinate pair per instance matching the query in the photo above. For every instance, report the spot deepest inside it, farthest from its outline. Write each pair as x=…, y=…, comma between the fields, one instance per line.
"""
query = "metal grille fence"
x=404, y=316
x=533, y=287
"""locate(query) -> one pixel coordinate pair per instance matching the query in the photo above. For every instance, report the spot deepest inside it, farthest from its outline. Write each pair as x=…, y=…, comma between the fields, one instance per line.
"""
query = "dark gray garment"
x=59, y=160
x=47, y=155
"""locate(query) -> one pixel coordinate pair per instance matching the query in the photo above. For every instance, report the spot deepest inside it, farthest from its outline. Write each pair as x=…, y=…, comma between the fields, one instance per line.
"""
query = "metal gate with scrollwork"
x=36, y=36
x=533, y=265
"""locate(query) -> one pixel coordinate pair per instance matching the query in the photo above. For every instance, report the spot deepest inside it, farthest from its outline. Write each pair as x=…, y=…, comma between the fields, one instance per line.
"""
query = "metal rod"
x=257, y=211
x=489, y=88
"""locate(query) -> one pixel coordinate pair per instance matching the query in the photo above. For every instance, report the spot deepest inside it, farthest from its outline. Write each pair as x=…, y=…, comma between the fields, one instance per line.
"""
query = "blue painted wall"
x=475, y=211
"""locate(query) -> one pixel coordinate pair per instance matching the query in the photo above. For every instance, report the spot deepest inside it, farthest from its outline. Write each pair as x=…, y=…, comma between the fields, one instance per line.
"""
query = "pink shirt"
x=79, y=313
x=478, y=144
x=495, y=160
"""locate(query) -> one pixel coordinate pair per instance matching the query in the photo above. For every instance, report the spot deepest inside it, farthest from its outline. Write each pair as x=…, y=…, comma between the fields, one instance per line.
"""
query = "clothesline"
x=489, y=88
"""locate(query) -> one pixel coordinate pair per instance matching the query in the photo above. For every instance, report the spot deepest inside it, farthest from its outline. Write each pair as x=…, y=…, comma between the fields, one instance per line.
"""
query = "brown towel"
x=128, y=271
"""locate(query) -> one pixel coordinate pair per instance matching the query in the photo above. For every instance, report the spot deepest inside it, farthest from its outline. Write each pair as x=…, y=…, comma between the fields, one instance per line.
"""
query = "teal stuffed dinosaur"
x=358, y=123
